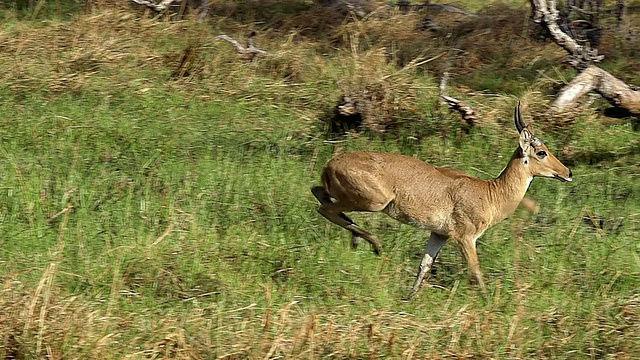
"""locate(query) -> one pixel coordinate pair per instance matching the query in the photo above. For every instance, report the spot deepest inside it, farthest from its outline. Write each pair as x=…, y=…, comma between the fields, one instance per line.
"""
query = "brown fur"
x=449, y=203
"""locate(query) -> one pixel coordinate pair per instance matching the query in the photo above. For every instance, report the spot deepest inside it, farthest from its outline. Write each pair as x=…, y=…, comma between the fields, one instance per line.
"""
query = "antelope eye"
x=541, y=154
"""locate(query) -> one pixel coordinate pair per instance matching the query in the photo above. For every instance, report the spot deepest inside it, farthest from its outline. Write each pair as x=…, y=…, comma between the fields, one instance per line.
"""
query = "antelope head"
x=536, y=157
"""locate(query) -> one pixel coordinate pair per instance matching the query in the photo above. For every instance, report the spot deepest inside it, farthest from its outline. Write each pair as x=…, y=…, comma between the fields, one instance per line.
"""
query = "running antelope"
x=449, y=203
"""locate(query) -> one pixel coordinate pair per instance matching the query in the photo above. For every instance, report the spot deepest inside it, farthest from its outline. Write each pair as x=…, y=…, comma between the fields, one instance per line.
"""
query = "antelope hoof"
x=355, y=241
x=376, y=250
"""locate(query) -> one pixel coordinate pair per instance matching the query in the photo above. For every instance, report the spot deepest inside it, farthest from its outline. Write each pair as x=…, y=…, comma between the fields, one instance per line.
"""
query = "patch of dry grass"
x=46, y=323
x=61, y=57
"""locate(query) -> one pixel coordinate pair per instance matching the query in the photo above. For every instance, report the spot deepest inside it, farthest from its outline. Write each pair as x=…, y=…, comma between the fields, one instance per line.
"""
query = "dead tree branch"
x=204, y=10
x=159, y=7
x=581, y=54
x=592, y=78
x=466, y=112
x=443, y=82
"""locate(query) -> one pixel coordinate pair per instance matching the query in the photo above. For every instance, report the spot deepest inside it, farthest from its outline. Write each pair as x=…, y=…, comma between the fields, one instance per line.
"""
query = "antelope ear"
x=525, y=140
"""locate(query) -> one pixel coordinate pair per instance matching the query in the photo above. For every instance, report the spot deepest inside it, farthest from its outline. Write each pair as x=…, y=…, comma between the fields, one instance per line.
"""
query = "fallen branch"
x=250, y=49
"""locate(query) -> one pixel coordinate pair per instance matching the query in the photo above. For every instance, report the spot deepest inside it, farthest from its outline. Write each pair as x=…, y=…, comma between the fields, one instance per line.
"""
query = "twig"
x=252, y=305
x=413, y=64
x=314, y=160
x=56, y=215
x=166, y=233
x=451, y=295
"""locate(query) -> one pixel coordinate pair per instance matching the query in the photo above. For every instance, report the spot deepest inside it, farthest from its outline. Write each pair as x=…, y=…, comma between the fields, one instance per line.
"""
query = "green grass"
x=192, y=233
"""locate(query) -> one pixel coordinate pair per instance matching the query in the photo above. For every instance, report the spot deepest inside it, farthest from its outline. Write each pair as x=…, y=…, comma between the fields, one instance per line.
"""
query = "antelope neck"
x=508, y=189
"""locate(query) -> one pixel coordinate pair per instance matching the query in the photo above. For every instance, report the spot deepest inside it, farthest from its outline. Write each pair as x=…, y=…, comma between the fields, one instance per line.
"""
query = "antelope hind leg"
x=332, y=212
x=434, y=244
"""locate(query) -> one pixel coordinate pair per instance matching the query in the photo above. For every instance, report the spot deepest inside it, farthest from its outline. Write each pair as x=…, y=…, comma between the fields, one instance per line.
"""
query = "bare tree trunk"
x=592, y=78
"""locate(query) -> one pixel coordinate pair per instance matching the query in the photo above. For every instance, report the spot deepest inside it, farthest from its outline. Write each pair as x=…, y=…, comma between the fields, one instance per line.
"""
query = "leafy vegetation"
x=153, y=207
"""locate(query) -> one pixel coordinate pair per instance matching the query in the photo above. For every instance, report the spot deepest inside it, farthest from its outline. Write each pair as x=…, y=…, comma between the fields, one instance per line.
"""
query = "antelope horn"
x=517, y=118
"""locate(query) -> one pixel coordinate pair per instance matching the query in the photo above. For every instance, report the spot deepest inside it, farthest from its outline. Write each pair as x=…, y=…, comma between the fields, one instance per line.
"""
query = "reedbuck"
x=449, y=203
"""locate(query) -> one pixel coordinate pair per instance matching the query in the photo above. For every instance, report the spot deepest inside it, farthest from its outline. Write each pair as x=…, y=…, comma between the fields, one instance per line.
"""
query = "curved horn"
x=517, y=118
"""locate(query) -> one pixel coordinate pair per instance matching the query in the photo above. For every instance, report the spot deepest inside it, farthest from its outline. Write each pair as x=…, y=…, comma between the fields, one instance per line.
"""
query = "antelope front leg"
x=470, y=253
x=434, y=244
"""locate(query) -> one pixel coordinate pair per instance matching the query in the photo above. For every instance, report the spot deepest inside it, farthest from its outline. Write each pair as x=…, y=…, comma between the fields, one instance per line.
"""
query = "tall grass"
x=145, y=216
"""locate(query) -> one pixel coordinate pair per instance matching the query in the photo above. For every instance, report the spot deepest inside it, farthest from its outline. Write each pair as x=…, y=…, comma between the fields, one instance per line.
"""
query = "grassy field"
x=149, y=215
